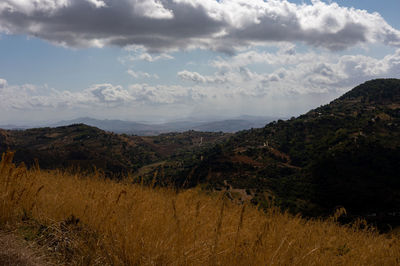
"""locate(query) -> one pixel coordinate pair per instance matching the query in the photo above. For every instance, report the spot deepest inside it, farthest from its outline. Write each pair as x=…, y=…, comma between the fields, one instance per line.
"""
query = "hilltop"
x=85, y=147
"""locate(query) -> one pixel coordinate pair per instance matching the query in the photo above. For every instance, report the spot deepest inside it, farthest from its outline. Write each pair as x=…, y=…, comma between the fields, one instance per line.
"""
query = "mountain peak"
x=377, y=90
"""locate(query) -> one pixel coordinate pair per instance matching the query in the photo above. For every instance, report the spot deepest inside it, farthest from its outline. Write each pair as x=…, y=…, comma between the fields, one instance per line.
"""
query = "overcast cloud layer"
x=182, y=24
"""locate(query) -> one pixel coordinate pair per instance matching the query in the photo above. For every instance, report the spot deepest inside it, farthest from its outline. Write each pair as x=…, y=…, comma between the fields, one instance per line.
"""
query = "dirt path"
x=14, y=251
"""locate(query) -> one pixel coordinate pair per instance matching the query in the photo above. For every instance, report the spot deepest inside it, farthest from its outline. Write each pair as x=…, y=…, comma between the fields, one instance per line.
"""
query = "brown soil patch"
x=246, y=160
x=280, y=154
x=17, y=252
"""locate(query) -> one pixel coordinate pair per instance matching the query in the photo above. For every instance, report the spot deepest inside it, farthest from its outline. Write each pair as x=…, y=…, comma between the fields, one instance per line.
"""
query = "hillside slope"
x=78, y=145
x=344, y=153
x=84, y=146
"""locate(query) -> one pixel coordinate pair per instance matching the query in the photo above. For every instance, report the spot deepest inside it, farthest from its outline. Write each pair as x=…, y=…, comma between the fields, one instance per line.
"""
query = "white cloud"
x=286, y=55
x=192, y=76
x=138, y=53
x=29, y=7
x=198, y=78
x=105, y=96
x=151, y=58
x=307, y=72
x=167, y=25
x=250, y=81
x=97, y=3
x=140, y=74
x=161, y=94
x=3, y=83
x=107, y=93
x=152, y=9
x=31, y=97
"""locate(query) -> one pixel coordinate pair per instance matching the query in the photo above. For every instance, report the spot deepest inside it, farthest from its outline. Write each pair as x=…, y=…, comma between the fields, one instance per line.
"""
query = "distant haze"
x=143, y=128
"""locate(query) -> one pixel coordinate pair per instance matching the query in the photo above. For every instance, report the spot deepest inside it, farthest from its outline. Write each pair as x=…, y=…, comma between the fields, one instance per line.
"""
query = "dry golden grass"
x=125, y=224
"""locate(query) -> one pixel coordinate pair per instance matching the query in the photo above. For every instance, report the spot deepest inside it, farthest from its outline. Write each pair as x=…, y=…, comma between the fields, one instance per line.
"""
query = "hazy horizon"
x=56, y=122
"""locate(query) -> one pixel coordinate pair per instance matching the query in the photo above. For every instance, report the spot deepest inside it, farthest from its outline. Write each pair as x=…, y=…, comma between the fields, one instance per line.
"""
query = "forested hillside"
x=85, y=147
x=345, y=153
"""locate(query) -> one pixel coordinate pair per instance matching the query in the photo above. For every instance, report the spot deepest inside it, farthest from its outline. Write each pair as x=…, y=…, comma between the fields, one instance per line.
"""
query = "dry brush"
x=90, y=220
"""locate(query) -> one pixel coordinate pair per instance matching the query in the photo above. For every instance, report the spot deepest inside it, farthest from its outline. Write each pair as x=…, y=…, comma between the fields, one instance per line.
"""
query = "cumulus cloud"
x=30, y=7
x=286, y=55
x=162, y=94
x=162, y=25
x=307, y=72
x=104, y=96
x=192, y=76
x=107, y=93
x=152, y=9
x=3, y=83
x=138, y=53
x=97, y=3
x=198, y=78
x=140, y=74
x=280, y=82
x=150, y=58
x=31, y=97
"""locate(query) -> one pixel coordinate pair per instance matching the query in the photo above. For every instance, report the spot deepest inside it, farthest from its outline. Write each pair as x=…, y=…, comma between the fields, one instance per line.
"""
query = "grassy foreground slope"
x=89, y=220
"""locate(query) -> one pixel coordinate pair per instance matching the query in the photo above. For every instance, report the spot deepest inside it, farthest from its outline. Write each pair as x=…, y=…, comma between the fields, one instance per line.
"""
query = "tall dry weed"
x=95, y=221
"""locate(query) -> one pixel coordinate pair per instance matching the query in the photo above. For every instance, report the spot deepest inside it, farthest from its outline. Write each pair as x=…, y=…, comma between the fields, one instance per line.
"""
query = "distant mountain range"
x=148, y=129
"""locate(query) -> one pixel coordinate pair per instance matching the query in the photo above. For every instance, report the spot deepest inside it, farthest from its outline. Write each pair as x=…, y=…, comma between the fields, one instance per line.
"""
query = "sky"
x=163, y=60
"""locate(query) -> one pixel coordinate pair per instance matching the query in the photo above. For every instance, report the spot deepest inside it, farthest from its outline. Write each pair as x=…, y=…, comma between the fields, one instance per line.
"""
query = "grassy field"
x=89, y=220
